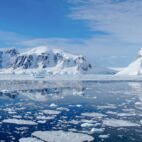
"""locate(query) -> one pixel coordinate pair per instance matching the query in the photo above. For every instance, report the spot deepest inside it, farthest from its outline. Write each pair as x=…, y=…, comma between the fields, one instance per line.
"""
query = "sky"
x=107, y=32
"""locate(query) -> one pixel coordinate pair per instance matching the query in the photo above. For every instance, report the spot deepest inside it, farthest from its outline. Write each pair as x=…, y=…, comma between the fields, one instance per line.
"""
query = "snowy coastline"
x=80, y=77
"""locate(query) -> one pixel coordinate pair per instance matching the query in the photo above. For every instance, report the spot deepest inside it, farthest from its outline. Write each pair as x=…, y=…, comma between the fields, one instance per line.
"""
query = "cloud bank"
x=121, y=19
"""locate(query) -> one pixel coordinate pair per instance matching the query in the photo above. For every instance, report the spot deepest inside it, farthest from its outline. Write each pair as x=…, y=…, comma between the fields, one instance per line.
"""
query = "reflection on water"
x=107, y=111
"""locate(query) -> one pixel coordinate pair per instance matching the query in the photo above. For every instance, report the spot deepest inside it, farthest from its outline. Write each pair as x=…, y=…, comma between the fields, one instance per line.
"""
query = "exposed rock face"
x=43, y=58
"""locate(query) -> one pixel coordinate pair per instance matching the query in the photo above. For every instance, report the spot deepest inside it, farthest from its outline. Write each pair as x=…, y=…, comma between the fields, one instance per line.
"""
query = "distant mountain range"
x=46, y=61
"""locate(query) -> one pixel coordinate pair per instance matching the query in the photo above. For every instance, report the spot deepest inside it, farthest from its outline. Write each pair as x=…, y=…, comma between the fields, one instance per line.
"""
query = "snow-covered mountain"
x=42, y=60
x=135, y=68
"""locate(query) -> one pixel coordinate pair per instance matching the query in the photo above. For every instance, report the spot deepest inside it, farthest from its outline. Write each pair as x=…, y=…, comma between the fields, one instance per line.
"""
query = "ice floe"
x=119, y=123
x=61, y=136
x=40, y=117
x=62, y=109
x=53, y=105
x=93, y=114
x=30, y=140
x=104, y=136
x=109, y=106
x=51, y=112
x=87, y=125
x=97, y=130
x=19, y=122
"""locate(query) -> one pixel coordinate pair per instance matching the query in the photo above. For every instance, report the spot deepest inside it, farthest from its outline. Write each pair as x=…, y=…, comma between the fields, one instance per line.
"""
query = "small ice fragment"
x=97, y=130
x=87, y=125
x=53, y=105
x=119, y=123
x=51, y=112
x=29, y=140
x=19, y=122
x=104, y=136
x=78, y=105
x=93, y=114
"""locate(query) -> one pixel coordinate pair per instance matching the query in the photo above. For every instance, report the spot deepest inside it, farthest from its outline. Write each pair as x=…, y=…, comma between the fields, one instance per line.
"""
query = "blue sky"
x=108, y=32
x=40, y=18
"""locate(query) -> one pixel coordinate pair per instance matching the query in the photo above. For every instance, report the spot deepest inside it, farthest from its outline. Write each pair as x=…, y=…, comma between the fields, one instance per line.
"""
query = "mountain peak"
x=41, y=58
x=37, y=50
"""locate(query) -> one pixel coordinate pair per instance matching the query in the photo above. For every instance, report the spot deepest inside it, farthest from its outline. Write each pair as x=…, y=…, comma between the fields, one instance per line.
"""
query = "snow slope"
x=135, y=68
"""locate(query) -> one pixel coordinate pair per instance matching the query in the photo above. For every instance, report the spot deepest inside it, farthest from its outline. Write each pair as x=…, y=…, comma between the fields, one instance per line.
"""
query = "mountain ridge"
x=42, y=58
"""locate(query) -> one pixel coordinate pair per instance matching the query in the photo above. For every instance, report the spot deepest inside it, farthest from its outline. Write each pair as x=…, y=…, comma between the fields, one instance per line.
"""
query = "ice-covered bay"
x=103, y=111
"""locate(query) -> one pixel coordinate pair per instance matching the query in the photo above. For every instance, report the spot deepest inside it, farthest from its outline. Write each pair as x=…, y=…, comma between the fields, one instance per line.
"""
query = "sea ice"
x=51, y=112
x=19, y=122
x=40, y=117
x=61, y=136
x=63, y=109
x=97, y=130
x=53, y=105
x=119, y=123
x=87, y=125
x=93, y=114
x=104, y=136
x=126, y=114
x=29, y=140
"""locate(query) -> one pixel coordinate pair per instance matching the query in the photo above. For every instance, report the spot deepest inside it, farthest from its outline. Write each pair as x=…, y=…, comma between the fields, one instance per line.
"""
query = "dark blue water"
x=114, y=100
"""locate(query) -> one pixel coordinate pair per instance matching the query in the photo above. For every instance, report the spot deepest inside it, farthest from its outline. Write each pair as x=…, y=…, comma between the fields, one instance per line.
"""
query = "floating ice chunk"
x=19, y=122
x=97, y=130
x=53, y=105
x=29, y=140
x=110, y=106
x=104, y=136
x=87, y=121
x=119, y=123
x=61, y=136
x=17, y=116
x=111, y=112
x=10, y=110
x=63, y=108
x=141, y=122
x=41, y=121
x=87, y=125
x=93, y=114
x=45, y=117
x=51, y=112
x=126, y=114
x=78, y=105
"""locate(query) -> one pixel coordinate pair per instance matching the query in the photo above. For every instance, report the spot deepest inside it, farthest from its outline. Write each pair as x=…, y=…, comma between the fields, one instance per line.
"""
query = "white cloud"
x=8, y=39
x=98, y=50
x=122, y=19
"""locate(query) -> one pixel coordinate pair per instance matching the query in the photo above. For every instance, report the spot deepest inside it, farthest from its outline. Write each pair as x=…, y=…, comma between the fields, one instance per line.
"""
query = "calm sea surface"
x=108, y=111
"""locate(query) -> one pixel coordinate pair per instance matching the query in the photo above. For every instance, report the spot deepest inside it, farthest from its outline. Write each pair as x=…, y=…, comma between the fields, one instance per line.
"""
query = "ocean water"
x=108, y=111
